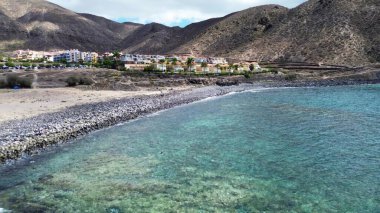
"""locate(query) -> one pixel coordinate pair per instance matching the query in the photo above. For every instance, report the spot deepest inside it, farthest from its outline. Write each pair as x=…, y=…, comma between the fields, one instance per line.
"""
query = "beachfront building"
x=127, y=58
x=137, y=67
x=89, y=57
x=70, y=56
x=200, y=69
x=178, y=68
x=172, y=58
x=27, y=55
x=141, y=59
x=65, y=56
x=75, y=56
x=49, y=57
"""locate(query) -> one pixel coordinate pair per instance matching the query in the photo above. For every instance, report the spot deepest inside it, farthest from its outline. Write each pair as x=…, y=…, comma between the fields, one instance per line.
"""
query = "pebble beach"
x=27, y=136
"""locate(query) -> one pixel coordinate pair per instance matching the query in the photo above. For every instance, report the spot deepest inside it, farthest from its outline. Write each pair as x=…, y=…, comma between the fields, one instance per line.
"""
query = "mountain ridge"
x=323, y=31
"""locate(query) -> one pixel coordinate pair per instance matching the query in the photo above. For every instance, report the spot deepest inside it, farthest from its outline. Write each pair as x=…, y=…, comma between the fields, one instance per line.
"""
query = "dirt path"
x=35, y=81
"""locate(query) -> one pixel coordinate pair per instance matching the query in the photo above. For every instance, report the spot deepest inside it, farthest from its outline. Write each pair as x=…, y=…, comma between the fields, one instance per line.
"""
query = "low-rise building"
x=200, y=60
x=178, y=68
x=28, y=55
x=138, y=67
x=160, y=67
x=214, y=60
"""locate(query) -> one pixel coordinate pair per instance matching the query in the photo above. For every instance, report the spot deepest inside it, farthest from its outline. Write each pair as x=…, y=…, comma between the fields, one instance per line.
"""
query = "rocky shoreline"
x=27, y=136
x=24, y=137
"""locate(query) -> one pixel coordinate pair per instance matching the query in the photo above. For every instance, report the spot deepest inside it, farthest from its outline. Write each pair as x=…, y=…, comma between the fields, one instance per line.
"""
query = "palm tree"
x=116, y=58
x=218, y=70
x=189, y=63
x=116, y=55
x=174, y=61
x=204, y=65
x=162, y=62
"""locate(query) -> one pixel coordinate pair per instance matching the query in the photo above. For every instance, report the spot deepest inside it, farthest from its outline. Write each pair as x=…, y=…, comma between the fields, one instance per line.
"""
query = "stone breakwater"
x=21, y=137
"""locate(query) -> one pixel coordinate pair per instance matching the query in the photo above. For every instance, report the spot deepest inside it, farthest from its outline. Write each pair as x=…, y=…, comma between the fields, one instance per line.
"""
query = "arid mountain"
x=121, y=30
x=236, y=30
x=327, y=31
x=10, y=29
x=41, y=25
x=160, y=39
x=151, y=39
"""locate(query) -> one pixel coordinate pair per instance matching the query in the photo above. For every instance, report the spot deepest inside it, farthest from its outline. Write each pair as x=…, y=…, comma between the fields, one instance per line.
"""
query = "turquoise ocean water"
x=275, y=150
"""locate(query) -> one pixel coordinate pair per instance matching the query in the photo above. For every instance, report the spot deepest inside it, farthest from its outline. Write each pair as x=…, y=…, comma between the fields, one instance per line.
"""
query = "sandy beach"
x=21, y=104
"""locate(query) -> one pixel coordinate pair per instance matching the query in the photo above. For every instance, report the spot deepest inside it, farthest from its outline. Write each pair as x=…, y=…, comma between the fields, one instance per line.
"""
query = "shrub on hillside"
x=73, y=81
x=123, y=69
x=13, y=81
x=291, y=77
x=247, y=75
x=85, y=81
x=3, y=84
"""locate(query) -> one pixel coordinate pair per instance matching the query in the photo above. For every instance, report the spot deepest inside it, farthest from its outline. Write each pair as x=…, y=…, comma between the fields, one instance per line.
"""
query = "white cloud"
x=169, y=12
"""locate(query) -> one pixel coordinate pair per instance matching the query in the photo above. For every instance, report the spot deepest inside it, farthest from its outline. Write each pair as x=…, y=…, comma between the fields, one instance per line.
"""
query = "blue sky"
x=181, y=22
x=168, y=12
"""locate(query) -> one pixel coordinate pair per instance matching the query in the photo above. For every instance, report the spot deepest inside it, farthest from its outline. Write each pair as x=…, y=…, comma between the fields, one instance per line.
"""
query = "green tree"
x=9, y=64
x=116, y=55
x=174, y=61
x=108, y=63
x=116, y=60
x=26, y=64
x=63, y=61
x=189, y=63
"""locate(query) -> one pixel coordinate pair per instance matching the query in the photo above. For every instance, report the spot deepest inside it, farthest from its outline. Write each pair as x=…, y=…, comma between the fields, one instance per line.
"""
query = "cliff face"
x=327, y=31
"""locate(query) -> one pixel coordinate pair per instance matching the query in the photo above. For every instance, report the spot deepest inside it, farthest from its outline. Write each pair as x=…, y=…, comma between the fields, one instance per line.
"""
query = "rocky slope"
x=42, y=25
x=121, y=30
x=328, y=31
x=160, y=39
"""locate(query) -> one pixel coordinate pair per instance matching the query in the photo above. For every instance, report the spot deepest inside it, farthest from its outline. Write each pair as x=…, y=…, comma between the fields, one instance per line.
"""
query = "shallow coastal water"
x=277, y=150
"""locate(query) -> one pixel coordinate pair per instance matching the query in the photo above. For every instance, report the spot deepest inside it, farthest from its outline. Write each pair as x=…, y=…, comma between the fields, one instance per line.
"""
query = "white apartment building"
x=214, y=60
